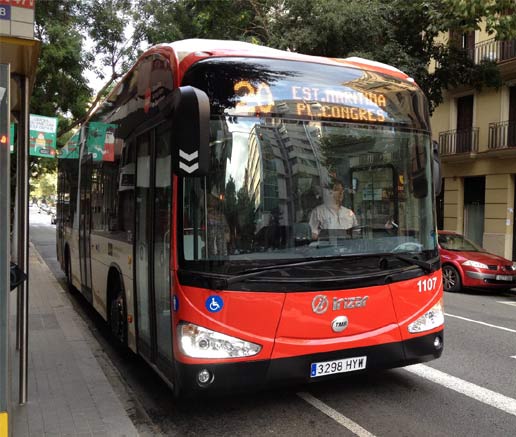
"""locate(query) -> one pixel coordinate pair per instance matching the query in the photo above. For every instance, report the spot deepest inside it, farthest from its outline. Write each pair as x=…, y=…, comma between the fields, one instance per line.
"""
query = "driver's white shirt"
x=326, y=217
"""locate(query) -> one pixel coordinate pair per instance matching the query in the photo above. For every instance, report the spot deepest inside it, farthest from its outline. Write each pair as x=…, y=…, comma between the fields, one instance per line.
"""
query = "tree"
x=396, y=32
x=61, y=89
x=160, y=22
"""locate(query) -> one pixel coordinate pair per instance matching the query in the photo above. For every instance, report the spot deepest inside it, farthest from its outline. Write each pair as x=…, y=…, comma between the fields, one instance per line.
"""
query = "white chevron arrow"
x=188, y=157
x=188, y=168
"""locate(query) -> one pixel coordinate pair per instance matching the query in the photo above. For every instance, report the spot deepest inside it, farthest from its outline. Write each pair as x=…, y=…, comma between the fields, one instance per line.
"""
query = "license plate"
x=338, y=366
x=503, y=278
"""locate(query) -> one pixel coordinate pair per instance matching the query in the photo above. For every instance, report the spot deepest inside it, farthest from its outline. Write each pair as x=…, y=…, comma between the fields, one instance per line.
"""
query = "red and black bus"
x=243, y=216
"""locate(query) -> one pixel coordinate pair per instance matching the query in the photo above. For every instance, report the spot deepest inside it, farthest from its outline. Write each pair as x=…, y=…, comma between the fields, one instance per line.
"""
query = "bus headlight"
x=198, y=342
x=430, y=320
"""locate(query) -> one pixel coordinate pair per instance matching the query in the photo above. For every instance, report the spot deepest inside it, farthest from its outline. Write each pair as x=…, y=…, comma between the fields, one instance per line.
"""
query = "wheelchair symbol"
x=214, y=304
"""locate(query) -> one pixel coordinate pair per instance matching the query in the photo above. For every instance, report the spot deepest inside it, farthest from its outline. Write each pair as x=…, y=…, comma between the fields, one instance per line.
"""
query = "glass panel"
x=143, y=206
x=284, y=189
x=162, y=214
x=308, y=161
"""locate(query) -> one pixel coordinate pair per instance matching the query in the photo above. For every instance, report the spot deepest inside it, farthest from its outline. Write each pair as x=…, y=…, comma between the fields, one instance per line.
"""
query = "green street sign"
x=11, y=136
x=42, y=136
x=101, y=141
x=71, y=149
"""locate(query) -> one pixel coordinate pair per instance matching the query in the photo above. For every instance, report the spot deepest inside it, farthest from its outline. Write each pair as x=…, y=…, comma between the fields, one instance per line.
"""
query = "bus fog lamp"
x=438, y=343
x=204, y=377
x=430, y=320
x=199, y=342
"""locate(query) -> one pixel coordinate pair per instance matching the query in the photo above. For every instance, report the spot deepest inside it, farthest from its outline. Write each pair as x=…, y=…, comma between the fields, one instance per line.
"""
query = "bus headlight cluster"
x=198, y=342
x=430, y=320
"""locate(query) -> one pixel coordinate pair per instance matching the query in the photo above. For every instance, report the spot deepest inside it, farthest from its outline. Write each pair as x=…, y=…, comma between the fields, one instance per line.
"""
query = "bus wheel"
x=451, y=279
x=68, y=266
x=118, y=317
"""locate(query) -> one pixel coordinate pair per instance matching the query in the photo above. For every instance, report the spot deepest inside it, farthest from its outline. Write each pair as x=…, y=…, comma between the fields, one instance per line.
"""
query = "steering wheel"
x=408, y=247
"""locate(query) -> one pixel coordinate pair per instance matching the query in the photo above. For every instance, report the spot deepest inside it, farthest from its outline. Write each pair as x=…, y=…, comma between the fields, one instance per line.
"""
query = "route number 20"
x=426, y=284
x=253, y=98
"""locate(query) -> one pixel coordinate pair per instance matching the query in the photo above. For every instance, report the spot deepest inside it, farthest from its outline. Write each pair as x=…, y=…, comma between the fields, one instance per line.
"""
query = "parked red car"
x=467, y=265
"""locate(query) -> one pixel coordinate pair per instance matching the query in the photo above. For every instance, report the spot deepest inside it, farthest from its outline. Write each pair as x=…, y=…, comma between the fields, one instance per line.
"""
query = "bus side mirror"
x=190, y=109
x=436, y=169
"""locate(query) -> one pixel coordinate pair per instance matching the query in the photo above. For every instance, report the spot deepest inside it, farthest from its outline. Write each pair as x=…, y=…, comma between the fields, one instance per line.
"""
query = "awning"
x=23, y=55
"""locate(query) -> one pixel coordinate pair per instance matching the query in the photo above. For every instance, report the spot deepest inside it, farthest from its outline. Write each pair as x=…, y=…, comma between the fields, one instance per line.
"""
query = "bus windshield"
x=289, y=182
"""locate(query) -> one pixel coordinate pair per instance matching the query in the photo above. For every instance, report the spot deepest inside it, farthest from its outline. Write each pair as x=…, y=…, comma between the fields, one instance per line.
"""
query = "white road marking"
x=481, y=323
x=507, y=302
x=513, y=356
x=469, y=389
x=335, y=415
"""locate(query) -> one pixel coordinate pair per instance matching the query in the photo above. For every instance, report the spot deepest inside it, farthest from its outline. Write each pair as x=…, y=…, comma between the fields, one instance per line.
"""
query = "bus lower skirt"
x=253, y=375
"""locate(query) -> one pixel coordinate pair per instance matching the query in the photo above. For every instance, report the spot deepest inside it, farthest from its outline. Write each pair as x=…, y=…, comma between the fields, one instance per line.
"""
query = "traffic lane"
x=483, y=306
x=43, y=235
x=279, y=412
x=390, y=403
x=398, y=403
x=479, y=354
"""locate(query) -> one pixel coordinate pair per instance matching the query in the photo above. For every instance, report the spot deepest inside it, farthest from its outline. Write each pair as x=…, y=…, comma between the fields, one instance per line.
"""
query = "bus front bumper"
x=249, y=375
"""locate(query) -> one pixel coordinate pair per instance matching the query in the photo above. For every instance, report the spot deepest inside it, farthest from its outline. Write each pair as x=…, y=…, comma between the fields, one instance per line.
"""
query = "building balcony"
x=493, y=50
x=502, y=135
x=453, y=142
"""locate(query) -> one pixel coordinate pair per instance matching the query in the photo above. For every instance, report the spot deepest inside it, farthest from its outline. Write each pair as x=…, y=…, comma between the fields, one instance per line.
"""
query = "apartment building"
x=476, y=131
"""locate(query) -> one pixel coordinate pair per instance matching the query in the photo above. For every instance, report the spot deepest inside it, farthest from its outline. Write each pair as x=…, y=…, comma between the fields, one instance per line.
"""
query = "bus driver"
x=331, y=214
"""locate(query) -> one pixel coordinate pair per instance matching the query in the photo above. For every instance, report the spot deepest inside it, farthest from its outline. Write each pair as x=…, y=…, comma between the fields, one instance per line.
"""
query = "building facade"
x=476, y=131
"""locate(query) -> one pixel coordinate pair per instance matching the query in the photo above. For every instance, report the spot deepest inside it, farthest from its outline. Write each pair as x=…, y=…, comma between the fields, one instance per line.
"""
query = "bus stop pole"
x=5, y=225
x=22, y=207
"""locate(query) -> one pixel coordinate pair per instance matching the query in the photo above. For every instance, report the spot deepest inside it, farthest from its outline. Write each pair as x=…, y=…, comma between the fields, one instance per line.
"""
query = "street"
x=469, y=391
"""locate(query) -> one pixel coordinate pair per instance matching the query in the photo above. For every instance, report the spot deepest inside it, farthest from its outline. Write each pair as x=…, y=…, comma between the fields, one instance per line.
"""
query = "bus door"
x=85, y=226
x=152, y=247
x=60, y=213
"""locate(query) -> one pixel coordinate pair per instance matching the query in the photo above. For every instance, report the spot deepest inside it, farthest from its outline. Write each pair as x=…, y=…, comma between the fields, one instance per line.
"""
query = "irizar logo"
x=320, y=303
x=188, y=157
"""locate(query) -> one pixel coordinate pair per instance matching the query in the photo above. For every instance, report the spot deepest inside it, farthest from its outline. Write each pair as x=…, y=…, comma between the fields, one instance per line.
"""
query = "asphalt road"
x=469, y=391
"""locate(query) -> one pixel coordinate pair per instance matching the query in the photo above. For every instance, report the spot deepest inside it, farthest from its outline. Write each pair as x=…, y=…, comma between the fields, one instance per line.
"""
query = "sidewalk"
x=68, y=394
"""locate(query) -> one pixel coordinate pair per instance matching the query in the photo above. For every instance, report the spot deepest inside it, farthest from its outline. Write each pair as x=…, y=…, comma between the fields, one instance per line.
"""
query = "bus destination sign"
x=318, y=102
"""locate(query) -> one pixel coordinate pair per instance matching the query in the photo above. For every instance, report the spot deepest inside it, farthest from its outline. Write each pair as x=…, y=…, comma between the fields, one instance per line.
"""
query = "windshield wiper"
x=428, y=266
x=223, y=281
x=219, y=283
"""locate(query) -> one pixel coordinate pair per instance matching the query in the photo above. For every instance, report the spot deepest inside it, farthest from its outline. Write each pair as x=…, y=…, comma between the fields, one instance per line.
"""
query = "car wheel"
x=451, y=279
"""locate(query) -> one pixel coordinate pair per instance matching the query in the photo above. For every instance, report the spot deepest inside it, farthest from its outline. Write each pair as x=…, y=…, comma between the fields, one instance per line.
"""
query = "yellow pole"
x=4, y=424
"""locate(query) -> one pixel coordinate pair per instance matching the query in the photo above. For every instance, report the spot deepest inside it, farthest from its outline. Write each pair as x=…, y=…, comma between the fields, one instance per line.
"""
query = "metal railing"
x=493, y=50
x=455, y=141
x=502, y=135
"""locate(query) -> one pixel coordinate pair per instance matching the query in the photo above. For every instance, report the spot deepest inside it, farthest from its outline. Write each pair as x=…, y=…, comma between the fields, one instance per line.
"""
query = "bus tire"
x=117, y=310
x=451, y=279
x=68, y=271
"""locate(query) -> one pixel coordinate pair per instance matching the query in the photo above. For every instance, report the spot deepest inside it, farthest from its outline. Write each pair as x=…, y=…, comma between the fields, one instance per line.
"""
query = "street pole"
x=22, y=209
x=5, y=248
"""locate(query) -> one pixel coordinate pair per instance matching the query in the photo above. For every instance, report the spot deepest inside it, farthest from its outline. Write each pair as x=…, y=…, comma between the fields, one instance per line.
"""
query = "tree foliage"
x=396, y=32
x=61, y=88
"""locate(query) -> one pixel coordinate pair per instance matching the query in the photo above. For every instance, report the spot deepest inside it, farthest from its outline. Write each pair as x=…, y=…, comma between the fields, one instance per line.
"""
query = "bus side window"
x=126, y=182
x=193, y=220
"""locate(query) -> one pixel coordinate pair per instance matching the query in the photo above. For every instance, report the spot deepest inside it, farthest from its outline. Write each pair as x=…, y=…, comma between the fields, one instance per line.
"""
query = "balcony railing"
x=493, y=50
x=502, y=135
x=455, y=141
